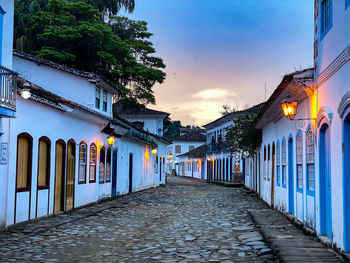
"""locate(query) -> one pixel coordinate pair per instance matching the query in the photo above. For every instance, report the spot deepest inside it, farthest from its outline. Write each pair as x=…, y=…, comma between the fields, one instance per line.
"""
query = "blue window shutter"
x=347, y=3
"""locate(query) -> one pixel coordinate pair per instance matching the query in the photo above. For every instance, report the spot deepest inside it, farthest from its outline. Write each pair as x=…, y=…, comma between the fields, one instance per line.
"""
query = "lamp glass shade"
x=154, y=151
x=289, y=108
x=111, y=140
x=171, y=156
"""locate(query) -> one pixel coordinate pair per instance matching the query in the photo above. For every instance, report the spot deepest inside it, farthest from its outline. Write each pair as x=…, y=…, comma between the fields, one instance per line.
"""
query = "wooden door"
x=70, y=176
x=59, y=177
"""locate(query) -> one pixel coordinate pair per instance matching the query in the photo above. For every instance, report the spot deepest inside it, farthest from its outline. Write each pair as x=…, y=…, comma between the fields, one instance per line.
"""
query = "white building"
x=58, y=155
x=303, y=165
x=222, y=164
x=193, y=163
x=180, y=145
x=7, y=96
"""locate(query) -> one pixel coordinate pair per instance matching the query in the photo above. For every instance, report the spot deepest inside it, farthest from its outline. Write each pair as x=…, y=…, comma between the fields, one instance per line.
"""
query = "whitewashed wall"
x=67, y=85
x=152, y=123
x=6, y=60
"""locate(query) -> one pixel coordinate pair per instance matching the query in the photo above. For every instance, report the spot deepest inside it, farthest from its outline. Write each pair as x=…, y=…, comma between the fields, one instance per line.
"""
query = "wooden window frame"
x=86, y=161
x=94, y=180
x=48, y=167
x=30, y=162
x=179, y=147
x=284, y=164
x=310, y=162
x=108, y=152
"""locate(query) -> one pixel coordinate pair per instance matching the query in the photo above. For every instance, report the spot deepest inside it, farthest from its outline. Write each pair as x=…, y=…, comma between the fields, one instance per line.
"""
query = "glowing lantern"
x=171, y=156
x=289, y=107
x=209, y=159
x=26, y=91
x=111, y=140
x=245, y=153
x=154, y=151
x=195, y=160
x=188, y=161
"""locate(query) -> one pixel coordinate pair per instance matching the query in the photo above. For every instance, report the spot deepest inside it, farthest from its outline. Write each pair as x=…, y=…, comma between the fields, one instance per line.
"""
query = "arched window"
x=102, y=164
x=310, y=160
x=278, y=164
x=299, y=156
x=82, y=163
x=284, y=162
x=44, y=158
x=108, y=166
x=24, y=162
x=92, y=167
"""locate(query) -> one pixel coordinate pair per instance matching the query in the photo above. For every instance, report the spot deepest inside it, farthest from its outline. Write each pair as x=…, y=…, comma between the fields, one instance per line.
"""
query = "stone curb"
x=299, y=225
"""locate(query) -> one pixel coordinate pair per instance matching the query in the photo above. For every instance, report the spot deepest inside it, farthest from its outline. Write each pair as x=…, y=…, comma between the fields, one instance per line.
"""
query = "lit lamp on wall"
x=111, y=140
x=208, y=159
x=26, y=91
x=154, y=151
x=195, y=160
x=289, y=107
x=188, y=160
x=171, y=156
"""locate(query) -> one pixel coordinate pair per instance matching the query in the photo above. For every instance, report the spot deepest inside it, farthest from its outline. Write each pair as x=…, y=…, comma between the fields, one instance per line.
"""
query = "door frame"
x=273, y=155
x=114, y=172
x=71, y=141
x=290, y=175
x=324, y=179
x=131, y=166
x=63, y=143
x=346, y=179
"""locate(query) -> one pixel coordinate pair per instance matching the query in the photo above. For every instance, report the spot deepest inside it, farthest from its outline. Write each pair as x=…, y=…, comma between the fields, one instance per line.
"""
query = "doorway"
x=59, y=176
x=346, y=185
x=290, y=177
x=130, y=171
x=273, y=175
x=325, y=182
x=70, y=175
x=114, y=173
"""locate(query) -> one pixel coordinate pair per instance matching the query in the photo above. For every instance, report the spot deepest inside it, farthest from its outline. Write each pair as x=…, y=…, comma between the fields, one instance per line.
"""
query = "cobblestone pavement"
x=185, y=221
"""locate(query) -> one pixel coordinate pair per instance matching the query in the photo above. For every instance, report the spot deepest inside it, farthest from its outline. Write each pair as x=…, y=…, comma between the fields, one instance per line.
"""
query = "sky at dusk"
x=224, y=51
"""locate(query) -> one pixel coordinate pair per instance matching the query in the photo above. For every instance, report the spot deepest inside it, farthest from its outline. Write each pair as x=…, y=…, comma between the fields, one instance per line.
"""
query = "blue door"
x=325, y=183
x=290, y=177
x=114, y=173
x=346, y=184
x=202, y=170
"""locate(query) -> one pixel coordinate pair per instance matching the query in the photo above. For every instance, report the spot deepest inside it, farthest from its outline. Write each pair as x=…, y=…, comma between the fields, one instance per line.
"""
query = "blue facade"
x=290, y=176
x=2, y=13
x=347, y=3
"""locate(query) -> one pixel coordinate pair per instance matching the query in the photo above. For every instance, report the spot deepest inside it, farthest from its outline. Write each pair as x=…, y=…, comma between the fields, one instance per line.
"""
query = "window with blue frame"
x=347, y=3
x=326, y=17
x=299, y=153
x=2, y=12
x=310, y=160
x=278, y=163
x=284, y=163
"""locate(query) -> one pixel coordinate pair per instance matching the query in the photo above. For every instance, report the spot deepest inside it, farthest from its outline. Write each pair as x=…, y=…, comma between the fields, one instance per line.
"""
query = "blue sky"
x=224, y=51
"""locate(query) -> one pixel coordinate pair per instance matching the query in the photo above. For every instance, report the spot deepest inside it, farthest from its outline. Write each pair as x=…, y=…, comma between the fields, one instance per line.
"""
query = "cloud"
x=210, y=94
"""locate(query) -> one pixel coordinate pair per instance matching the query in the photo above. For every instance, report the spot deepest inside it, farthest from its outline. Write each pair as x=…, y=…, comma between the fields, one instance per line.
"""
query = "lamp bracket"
x=301, y=123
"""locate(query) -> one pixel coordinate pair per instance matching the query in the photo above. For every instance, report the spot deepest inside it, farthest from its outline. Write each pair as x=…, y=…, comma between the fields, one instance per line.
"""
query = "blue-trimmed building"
x=303, y=165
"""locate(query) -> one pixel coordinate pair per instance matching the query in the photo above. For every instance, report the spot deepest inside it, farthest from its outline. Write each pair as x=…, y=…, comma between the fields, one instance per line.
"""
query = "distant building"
x=183, y=144
x=188, y=128
x=145, y=118
x=223, y=164
x=193, y=163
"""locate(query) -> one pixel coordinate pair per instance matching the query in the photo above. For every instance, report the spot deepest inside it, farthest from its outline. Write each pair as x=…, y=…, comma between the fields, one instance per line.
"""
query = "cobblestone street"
x=187, y=220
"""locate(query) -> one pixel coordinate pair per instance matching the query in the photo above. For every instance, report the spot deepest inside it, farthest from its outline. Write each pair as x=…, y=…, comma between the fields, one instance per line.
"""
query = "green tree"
x=243, y=136
x=113, y=6
x=71, y=33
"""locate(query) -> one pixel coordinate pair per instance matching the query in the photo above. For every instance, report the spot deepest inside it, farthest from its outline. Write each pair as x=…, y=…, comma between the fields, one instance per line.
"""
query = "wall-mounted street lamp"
x=289, y=107
x=196, y=160
x=209, y=159
x=154, y=151
x=171, y=156
x=111, y=140
x=25, y=93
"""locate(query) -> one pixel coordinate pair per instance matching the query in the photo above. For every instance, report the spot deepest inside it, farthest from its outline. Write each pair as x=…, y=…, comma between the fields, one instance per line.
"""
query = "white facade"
x=6, y=43
x=127, y=166
x=152, y=123
x=315, y=188
x=177, y=148
x=192, y=167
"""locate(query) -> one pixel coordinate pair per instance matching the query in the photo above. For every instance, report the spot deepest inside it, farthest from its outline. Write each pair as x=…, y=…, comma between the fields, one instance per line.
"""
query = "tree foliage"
x=72, y=33
x=243, y=136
